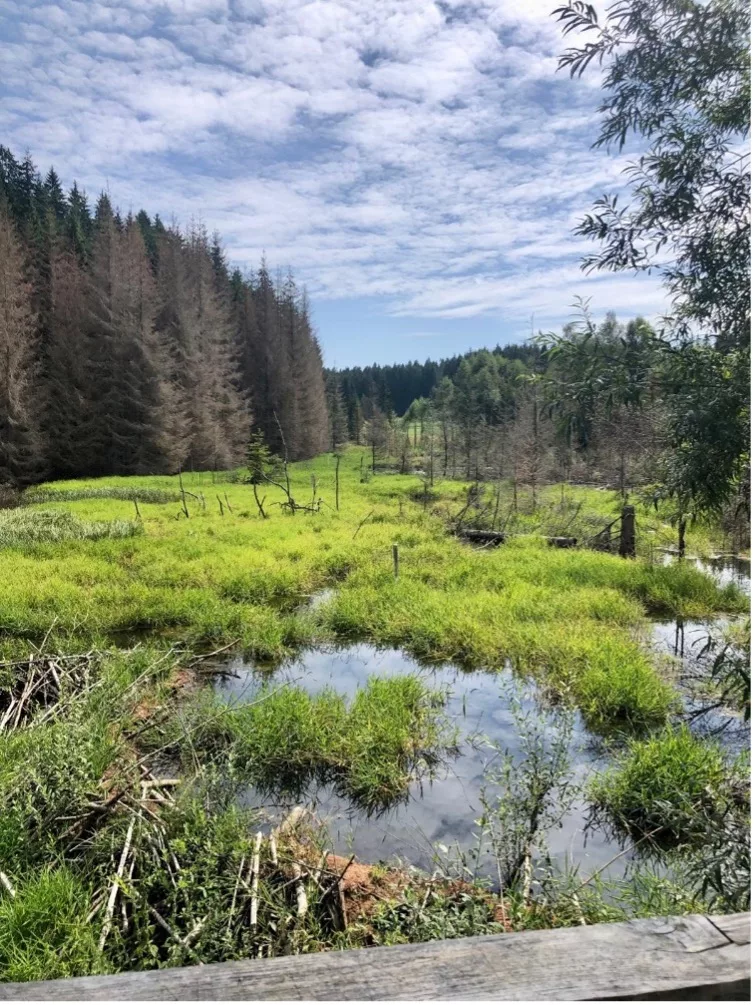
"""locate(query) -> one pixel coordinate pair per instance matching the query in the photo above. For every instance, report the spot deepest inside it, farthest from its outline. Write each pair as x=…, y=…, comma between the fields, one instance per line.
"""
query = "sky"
x=419, y=165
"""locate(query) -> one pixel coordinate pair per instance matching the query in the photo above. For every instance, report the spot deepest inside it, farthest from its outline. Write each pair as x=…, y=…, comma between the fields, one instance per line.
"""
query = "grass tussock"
x=284, y=740
x=44, y=932
x=19, y=527
x=663, y=790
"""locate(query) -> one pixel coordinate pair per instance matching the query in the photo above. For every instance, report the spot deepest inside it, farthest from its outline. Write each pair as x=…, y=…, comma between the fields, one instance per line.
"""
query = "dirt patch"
x=181, y=680
x=365, y=887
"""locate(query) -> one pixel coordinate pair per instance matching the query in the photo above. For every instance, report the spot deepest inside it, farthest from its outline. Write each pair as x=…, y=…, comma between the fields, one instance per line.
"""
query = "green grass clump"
x=663, y=791
x=284, y=740
x=588, y=661
x=52, y=494
x=20, y=527
x=44, y=933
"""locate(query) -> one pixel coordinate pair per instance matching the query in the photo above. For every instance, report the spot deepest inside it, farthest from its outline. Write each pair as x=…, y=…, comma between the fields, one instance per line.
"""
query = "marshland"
x=206, y=713
x=297, y=657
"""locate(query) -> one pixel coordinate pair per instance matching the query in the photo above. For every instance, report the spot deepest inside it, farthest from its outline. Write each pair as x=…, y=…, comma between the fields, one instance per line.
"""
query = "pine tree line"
x=130, y=347
x=488, y=414
x=393, y=387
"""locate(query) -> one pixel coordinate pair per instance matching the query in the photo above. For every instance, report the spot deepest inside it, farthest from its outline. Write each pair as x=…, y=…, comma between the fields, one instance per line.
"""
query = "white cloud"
x=423, y=152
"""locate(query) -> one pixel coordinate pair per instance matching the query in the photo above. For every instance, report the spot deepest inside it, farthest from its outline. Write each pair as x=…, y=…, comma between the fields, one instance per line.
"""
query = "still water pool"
x=441, y=812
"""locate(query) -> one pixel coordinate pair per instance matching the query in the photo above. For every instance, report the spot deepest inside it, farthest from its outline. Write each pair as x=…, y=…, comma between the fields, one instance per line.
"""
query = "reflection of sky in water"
x=724, y=569
x=685, y=641
x=442, y=811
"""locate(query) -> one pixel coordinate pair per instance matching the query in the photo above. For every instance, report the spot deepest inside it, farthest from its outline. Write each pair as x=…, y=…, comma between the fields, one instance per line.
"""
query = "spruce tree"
x=19, y=436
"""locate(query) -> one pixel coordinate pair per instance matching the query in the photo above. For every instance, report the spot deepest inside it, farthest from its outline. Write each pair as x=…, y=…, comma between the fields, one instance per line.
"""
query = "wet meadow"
x=232, y=729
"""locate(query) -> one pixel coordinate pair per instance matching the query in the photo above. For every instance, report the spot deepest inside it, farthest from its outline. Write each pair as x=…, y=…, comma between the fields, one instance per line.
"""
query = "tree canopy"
x=675, y=73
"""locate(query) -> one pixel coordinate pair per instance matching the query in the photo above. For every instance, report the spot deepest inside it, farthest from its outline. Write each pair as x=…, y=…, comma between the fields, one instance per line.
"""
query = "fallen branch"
x=194, y=931
x=370, y=513
x=302, y=904
x=273, y=849
x=164, y=925
x=255, y=881
x=235, y=893
x=110, y=909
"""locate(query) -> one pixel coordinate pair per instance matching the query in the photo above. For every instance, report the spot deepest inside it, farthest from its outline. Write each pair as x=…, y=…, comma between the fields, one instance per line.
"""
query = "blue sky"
x=420, y=165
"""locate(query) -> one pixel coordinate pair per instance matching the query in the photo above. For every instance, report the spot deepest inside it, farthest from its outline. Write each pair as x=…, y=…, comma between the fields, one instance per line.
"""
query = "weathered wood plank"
x=659, y=957
x=736, y=926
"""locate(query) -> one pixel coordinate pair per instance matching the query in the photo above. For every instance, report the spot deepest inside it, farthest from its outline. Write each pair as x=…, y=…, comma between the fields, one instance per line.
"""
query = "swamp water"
x=440, y=812
x=684, y=641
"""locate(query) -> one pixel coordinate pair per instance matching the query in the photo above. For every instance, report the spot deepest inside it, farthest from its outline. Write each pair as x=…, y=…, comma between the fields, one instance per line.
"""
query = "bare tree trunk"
x=627, y=547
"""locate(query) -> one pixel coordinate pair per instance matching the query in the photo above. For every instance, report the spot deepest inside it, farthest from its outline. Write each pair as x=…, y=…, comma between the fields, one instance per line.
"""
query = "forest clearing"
x=206, y=714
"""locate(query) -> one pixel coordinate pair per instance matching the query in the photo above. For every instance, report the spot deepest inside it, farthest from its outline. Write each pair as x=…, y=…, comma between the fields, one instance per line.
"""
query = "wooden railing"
x=695, y=957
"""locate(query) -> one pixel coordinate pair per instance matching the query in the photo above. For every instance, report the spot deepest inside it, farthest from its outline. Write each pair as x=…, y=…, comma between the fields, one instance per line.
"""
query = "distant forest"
x=130, y=347
x=394, y=386
x=492, y=414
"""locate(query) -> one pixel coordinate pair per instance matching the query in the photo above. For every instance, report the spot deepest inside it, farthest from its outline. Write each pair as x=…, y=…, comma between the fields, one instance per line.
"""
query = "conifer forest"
x=133, y=348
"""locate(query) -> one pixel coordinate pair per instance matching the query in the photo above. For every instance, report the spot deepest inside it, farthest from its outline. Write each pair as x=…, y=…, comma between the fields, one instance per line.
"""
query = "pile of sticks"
x=279, y=859
x=40, y=683
x=147, y=835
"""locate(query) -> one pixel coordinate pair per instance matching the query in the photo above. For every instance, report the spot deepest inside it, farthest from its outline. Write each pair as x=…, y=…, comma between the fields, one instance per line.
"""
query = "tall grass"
x=224, y=575
x=44, y=932
x=682, y=801
x=52, y=494
x=19, y=527
x=661, y=788
x=284, y=740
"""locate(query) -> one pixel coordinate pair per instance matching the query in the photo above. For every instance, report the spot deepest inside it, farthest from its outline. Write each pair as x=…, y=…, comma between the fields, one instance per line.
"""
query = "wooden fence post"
x=627, y=547
x=395, y=560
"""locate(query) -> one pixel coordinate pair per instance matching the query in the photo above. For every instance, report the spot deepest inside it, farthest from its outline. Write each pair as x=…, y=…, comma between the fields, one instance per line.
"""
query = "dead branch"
x=7, y=884
x=302, y=904
x=369, y=514
x=235, y=893
x=255, y=881
x=258, y=501
x=109, y=910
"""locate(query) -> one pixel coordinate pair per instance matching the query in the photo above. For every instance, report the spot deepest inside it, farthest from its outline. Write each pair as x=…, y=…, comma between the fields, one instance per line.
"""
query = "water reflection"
x=693, y=644
x=726, y=570
x=441, y=812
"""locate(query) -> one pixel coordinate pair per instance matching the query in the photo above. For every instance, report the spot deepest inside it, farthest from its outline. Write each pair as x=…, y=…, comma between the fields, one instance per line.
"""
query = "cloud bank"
x=425, y=153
